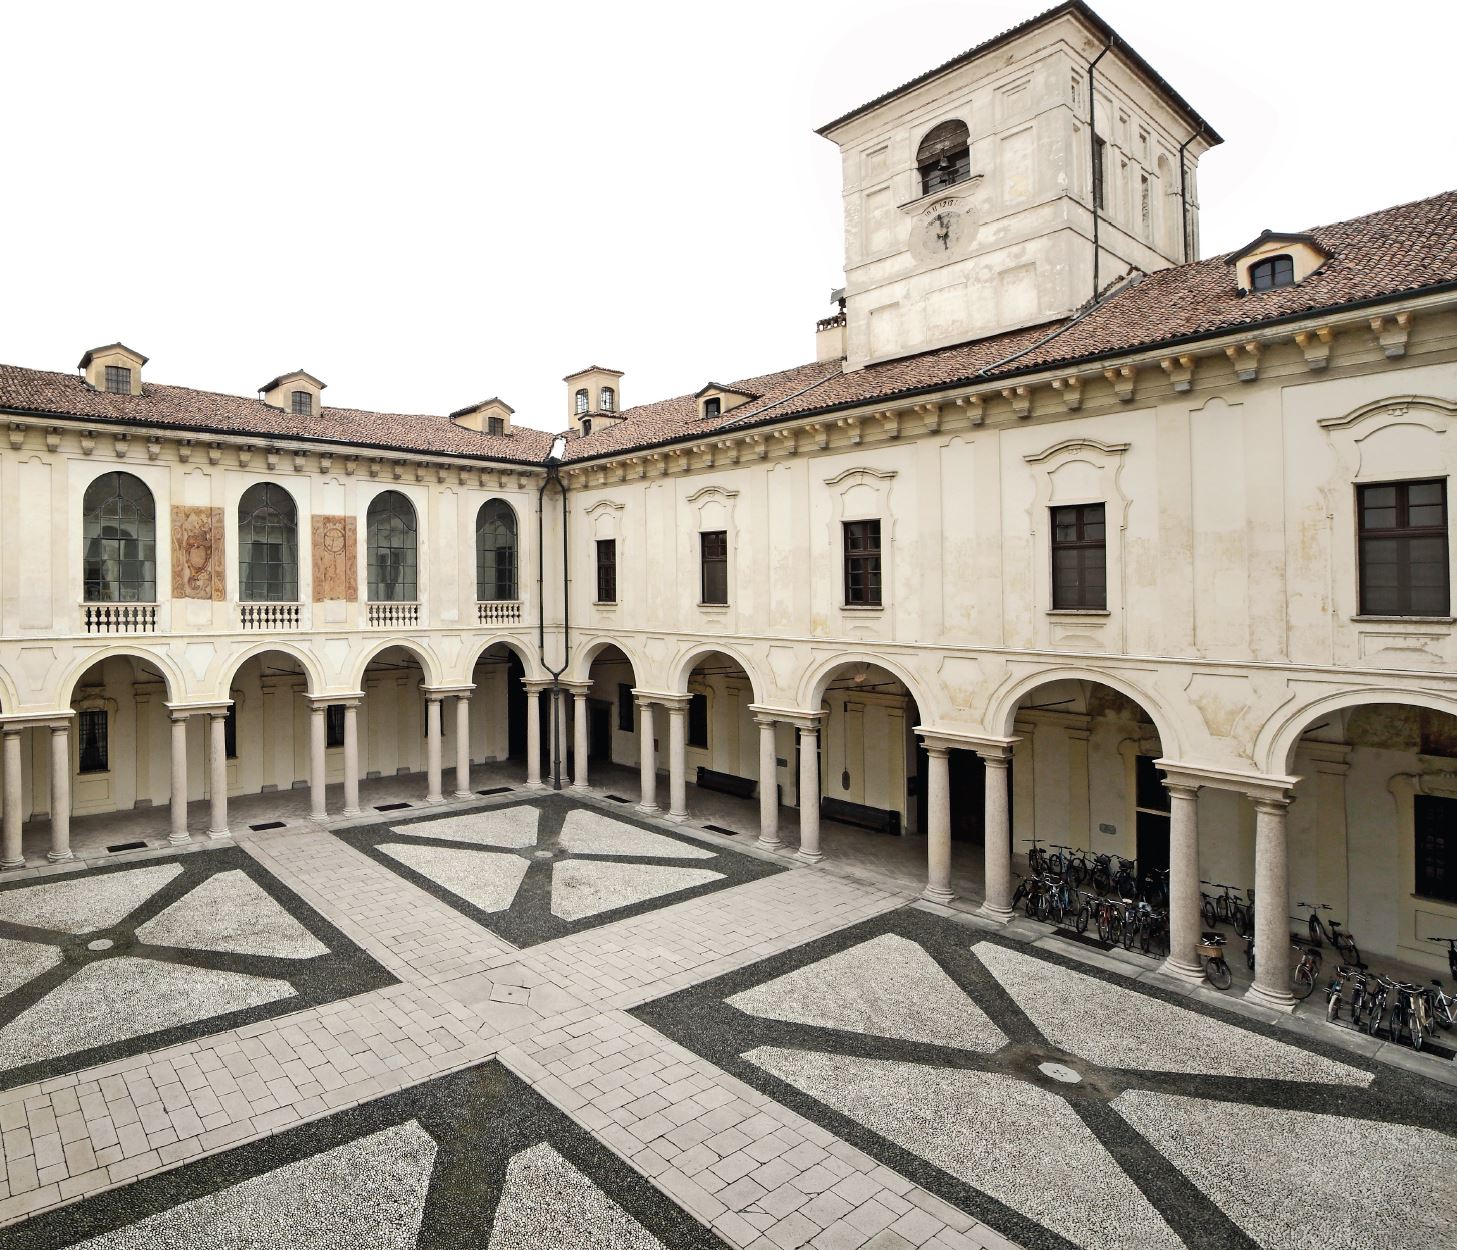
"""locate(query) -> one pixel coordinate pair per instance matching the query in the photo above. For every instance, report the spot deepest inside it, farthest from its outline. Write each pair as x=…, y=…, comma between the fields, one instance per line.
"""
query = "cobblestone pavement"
x=646, y=1064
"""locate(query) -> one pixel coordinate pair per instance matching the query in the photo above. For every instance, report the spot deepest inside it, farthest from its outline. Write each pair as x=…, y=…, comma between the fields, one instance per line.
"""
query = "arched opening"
x=393, y=719
x=613, y=726
x=498, y=711
x=1372, y=830
x=268, y=731
x=944, y=156
x=722, y=745
x=119, y=533
x=496, y=552
x=267, y=545
x=393, y=556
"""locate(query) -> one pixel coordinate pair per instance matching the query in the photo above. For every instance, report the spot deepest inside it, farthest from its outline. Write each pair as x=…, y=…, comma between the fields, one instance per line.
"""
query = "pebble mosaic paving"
x=1068, y=1107
x=534, y=871
x=129, y=958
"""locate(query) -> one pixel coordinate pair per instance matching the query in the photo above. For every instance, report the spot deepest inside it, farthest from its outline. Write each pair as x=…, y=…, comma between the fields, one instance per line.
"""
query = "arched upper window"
x=393, y=561
x=495, y=551
x=267, y=545
x=581, y=401
x=119, y=527
x=944, y=157
x=1272, y=272
x=609, y=399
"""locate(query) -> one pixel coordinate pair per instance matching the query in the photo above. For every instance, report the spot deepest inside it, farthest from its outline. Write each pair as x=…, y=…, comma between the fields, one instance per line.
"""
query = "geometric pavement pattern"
x=1068, y=1107
x=549, y=867
x=121, y=960
x=474, y=1159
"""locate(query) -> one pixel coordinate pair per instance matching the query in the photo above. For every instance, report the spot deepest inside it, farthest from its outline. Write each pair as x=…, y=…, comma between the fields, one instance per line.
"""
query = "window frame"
x=948, y=141
x=1279, y=276
x=408, y=572
x=301, y=403
x=717, y=563
x=581, y=402
x=1080, y=547
x=129, y=511
x=1100, y=174
x=607, y=399
x=1422, y=876
x=496, y=426
x=117, y=380
x=606, y=571
x=491, y=578
x=90, y=744
x=713, y=407
x=269, y=508
x=1402, y=536
x=865, y=564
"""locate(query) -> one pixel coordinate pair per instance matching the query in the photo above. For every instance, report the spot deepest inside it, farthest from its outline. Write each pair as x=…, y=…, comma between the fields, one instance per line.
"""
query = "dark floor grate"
x=128, y=846
x=267, y=824
x=728, y=833
x=496, y=790
x=391, y=807
x=617, y=798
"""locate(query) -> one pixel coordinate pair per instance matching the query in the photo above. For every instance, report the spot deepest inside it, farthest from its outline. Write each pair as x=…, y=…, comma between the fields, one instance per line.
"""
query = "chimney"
x=830, y=332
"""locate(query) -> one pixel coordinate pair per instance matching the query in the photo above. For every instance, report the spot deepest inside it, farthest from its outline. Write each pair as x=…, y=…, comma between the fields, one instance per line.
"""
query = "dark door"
x=599, y=732
x=968, y=796
x=515, y=709
x=1151, y=804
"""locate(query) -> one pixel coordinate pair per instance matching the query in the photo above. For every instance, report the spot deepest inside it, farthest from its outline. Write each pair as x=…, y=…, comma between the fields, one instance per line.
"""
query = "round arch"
x=429, y=664
x=812, y=687
x=1003, y=715
x=9, y=698
x=313, y=673
x=1276, y=742
x=532, y=669
x=683, y=668
x=581, y=668
x=177, y=691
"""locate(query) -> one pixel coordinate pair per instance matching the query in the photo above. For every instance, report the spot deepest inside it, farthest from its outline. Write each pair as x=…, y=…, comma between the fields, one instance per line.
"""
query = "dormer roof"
x=716, y=388
x=110, y=347
x=582, y=373
x=1275, y=236
x=493, y=402
x=298, y=375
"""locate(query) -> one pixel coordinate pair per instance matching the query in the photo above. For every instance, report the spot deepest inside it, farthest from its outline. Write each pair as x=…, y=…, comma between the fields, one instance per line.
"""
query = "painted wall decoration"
x=335, y=574
x=197, y=553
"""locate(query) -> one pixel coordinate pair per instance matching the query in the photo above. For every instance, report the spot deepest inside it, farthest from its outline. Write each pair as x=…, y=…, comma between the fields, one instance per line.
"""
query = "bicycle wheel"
x=1332, y=1007
x=1218, y=973
x=1373, y=1023
x=1130, y=934
x=1077, y=872
x=1042, y=906
x=1054, y=863
x=1304, y=980
x=1080, y=922
x=1239, y=918
x=1207, y=911
x=1145, y=937
x=1317, y=930
x=1414, y=1027
x=1105, y=928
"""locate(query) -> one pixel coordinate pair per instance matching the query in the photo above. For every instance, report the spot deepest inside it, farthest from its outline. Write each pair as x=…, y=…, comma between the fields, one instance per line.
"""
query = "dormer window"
x=118, y=380
x=1272, y=272
x=608, y=399
x=712, y=407
x=944, y=157
x=303, y=404
x=496, y=425
x=582, y=401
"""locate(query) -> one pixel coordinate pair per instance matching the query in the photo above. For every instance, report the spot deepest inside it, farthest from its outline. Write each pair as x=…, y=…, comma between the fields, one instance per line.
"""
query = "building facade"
x=1063, y=534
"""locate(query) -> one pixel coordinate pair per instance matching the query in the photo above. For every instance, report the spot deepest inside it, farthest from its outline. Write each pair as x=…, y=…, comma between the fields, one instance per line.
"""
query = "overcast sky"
x=428, y=204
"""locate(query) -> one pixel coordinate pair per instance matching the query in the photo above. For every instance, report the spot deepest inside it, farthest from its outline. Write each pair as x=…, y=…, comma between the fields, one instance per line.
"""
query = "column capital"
x=1271, y=804
x=581, y=689
x=318, y=702
x=535, y=685
x=17, y=721
x=666, y=698
x=765, y=722
x=212, y=707
x=798, y=717
x=1182, y=789
x=446, y=692
x=956, y=739
x=1256, y=785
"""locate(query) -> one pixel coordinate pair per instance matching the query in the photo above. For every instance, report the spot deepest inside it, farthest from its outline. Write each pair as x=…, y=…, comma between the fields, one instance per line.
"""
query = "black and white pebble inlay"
x=475, y=1159
x=550, y=866
x=129, y=958
x=1070, y=1108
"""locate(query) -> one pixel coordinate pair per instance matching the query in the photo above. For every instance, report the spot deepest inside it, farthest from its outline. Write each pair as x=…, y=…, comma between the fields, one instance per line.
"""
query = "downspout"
x=1184, y=195
x=558, y=719
x=1099, y=175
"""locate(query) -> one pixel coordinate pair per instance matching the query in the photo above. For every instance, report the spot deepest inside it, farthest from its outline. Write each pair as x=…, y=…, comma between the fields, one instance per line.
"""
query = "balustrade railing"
x=394, y=615
x=498, y=612
x=119, y=618
x=271, y=616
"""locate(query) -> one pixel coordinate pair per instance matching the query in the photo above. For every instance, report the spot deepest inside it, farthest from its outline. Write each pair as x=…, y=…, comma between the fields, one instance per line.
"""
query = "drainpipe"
x=1099, y=174
x=558, y=717
x=1184, y=195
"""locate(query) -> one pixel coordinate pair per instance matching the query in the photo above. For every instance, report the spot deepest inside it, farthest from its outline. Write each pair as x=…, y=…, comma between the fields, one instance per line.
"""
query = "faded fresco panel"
x=198, y=571
x=335, y=576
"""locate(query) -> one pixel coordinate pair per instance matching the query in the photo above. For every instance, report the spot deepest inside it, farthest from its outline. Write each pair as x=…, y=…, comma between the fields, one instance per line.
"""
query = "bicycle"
x=1224, y=908
x=1330, y=932
x=1155, y=886
x=1451, y=953
x=1216, y=968
x=1335, y=994
x=1441, y=1005
x=1307, y=969
x=1036, y=857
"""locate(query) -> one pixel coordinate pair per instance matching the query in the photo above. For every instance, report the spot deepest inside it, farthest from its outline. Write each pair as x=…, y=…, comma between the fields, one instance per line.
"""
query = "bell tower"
x=978, y=196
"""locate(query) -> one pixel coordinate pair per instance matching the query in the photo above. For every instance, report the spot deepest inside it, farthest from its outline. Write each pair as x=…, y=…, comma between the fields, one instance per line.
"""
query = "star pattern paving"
x=548, y=867
x=472, y=1159
x=128, y=958
x=1072, y=1108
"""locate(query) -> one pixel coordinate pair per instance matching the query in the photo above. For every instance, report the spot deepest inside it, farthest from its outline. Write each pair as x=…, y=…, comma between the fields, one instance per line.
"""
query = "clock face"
x=943, y=232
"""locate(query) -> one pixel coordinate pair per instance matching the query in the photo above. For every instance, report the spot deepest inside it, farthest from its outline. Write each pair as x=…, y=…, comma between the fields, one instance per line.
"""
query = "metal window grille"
x=119, y=532
x=92, y=738
x=118, y=380
x=267, y=545
x=393, y=557
x=495, y=551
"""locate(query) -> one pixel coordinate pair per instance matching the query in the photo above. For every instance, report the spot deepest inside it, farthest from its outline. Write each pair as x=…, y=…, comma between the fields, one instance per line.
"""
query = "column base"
x=220, y=833
x=320, y=817
x=771, y=845
x=648, y=809
x=463, y=794
x=581, y=785
x=678, y=818
x=11, y=863
x=434, y=800
x=179, y=839
x=1193, y=973
x=809, y=857
x=1000, y=915
x=60, y=857
x=536, y=785
x=1274, y=1000
x=934, y=894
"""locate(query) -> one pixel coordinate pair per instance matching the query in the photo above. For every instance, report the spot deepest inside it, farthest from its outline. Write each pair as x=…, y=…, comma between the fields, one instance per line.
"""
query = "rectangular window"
x=1402, y=531
x=862, y=564
x=1079, y=558
x=714, y=547
x=625, y=721
x=1436, y=847
x=1100, y=174
x=496, y=425
x=698, y=721
x=118, y=380
x=303, y=404
x=230, y=733
x=607, y=570
x=91, y=733
x=334, y=725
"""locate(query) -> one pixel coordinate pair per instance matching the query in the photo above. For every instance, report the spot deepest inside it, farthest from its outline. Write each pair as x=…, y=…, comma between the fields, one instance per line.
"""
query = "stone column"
x=533, y=735
x=218, y=772
x=938, y=825
x=553, y=738
x=462, y=745
x=433, y=792
x=11, y=854
x=646, y=728
x=178, y=815
x=768, y=783
x=809, y=794
x=318, y=761
x=60, y=794
x=351, y=758
x=1272, y=908
x=1184, y=919
x=581, y=743
x=998, y=835
x=677, y=760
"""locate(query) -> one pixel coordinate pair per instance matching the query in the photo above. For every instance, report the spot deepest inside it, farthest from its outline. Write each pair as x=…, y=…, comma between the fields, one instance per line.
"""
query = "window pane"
x=392, y=559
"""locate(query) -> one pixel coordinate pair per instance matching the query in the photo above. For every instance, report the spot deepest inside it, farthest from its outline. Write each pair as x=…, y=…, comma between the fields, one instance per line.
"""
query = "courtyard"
x=537, y=1019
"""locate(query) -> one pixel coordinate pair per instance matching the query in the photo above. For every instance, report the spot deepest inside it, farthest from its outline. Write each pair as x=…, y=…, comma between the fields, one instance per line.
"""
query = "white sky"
x=427, y=204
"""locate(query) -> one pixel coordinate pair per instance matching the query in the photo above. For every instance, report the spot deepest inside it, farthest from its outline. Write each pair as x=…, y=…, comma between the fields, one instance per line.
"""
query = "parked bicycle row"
x=1306, y=972
x=1381, y=1004
x=1131, y=922
x=1106, y=874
